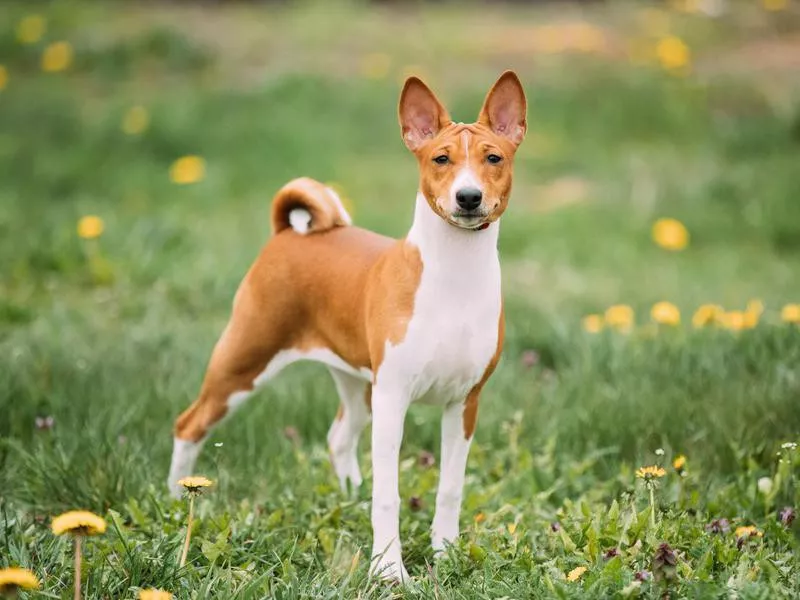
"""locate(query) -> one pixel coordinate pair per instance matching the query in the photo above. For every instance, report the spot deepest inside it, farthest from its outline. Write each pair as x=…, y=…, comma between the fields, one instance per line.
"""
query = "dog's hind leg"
x=244, y=358
x=353, y=416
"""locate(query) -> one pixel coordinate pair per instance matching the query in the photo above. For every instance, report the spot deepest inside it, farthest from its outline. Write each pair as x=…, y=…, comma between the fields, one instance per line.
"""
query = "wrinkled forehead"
x=466, y=134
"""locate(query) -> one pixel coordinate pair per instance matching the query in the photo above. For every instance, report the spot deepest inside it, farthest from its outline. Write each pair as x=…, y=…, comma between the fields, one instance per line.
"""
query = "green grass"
x=111, y=338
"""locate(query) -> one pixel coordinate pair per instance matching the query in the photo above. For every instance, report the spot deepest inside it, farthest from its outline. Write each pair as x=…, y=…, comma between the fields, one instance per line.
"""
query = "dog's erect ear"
x=421, y=114
x=505, y=107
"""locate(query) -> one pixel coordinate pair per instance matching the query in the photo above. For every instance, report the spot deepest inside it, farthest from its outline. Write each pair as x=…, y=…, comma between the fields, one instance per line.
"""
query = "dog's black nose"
x=469, y=198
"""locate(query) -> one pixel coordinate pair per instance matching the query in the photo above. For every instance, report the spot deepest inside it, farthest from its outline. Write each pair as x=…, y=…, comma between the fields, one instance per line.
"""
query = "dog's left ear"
x=505, y=107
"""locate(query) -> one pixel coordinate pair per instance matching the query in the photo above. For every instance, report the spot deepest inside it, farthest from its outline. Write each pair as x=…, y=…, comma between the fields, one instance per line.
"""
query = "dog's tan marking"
x=390, y=298
x=319, y=310
x=368, y=398
x=470, y=416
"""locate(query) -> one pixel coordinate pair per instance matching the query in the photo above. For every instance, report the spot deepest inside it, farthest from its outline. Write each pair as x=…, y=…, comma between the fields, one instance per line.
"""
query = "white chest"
x=452, y=335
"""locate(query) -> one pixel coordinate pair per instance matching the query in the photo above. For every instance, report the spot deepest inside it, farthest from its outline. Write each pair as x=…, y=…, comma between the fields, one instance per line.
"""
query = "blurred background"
x=650, y=253
x=141, y=143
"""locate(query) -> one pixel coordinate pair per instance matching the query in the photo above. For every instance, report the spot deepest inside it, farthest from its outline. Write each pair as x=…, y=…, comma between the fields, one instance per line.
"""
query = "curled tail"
x=306, y=206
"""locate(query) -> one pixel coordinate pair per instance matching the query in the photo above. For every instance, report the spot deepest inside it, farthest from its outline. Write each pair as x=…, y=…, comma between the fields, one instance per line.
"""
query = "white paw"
x=175, y=490
x=346, y=468
x=184, y=456
x=345, y=465
x=442, y=536
x=390, y=570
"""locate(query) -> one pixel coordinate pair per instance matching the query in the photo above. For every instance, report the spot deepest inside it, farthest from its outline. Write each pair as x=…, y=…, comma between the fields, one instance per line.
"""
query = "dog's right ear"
x=421, y=114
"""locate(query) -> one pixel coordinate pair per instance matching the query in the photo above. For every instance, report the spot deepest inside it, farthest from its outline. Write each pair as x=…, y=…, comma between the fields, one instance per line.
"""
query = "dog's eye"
x=494, y=158
x=442, y=159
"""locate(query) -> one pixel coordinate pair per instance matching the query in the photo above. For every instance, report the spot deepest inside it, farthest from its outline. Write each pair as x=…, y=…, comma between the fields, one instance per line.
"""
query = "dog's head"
x=465, y=170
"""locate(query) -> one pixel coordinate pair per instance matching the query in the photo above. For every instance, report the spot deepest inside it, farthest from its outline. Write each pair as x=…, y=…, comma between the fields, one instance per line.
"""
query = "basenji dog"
x=394, y=320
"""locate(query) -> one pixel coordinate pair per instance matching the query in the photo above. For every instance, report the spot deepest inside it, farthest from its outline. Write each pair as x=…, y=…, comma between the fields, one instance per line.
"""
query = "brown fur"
x=347, y=289
x=310, y=194
x=470, y=416
x=428, y=132
x=290, y=298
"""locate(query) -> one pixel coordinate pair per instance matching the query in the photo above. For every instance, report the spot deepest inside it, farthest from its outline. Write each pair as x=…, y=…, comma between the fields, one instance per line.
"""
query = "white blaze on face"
x=465, y=178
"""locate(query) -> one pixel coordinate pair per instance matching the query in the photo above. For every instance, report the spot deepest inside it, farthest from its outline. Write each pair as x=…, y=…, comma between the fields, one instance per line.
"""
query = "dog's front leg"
x=455, y=449
x=389, y=409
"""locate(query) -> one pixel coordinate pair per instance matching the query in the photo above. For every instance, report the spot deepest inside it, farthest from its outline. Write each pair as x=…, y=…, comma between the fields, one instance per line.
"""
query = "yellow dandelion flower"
x=673, y=53
x=752, y=314
x=187, y=169
x=90, y=227
x=665, y=313
x=3, y=77
x=790, y=313
x=153, y=594
x=670, y=234
x=619, y=316
x=708, y=314
x=652, y=472
x=136, y=120
x=775, y=5
x=79, y=522
x=592, y=323
x=576, y=573
x=512, y=528
x=480, y=517
x=194, y=484
x=57, y=57
x=750, y=319
x=755, y=306
x=679, y=462
x=14, y=578
x=734, y=320
x=375, y=65
x=747, y=531
x=30, y=29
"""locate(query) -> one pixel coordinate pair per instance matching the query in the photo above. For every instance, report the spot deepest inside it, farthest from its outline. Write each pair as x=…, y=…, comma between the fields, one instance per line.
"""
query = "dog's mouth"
x=474, y=219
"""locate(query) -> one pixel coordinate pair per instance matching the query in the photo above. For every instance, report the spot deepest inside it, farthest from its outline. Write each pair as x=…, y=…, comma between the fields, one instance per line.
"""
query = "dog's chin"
x=467, y=221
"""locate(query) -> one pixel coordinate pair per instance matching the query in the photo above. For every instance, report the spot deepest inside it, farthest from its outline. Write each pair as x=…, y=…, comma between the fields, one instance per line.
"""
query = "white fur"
x=185, y=452
x=184, y=456
x=450, y=340
x=453, y=462
x=286, y=357
x=344, y=432
x=465, y=178
x=300, y=220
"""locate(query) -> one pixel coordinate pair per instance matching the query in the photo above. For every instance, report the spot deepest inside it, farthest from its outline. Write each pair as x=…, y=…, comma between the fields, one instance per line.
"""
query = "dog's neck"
x=450, y=251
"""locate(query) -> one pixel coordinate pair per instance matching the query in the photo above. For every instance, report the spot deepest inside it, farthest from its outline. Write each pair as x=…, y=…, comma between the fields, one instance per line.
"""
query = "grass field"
x=109, y=336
